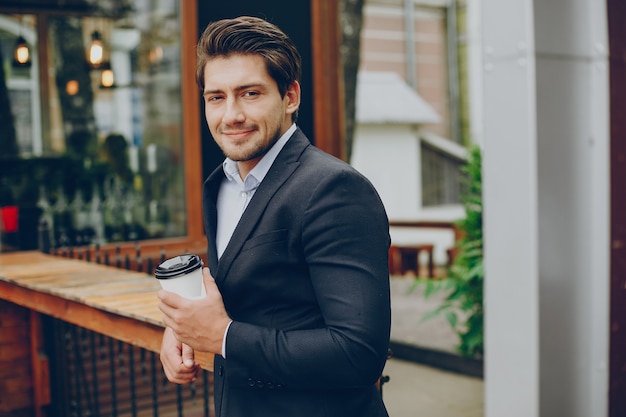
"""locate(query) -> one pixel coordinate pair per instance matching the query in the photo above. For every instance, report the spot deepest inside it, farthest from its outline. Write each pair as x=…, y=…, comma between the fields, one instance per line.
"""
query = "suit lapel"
x=285, y=164
x=210, y=189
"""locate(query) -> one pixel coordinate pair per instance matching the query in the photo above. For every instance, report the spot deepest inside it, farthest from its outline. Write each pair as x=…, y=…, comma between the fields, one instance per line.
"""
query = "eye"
x=213, y=98
x=251, y=93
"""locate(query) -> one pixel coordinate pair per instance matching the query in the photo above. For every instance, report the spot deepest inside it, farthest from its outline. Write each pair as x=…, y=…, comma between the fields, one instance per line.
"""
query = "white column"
x=510, y=210
x=475, y=71
x=546, y=200
x=573, y=173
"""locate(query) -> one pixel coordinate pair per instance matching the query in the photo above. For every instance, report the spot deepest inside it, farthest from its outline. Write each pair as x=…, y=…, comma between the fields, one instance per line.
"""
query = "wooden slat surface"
x=118, y=303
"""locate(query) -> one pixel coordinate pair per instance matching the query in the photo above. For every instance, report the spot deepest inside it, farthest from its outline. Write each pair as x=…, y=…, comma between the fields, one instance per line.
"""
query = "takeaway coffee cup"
x=182, y=275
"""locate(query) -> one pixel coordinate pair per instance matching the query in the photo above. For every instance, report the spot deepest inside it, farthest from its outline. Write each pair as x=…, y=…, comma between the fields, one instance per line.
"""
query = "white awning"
x=384, y=97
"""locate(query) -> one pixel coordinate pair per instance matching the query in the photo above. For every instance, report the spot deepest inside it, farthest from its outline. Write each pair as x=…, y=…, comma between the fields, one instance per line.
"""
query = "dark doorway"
x=294, y=18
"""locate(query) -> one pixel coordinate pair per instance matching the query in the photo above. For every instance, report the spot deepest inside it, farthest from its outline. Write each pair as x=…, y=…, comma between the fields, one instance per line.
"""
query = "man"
x=298, y=311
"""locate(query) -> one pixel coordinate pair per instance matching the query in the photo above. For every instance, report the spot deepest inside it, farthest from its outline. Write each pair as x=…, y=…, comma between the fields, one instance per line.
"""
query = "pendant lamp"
x=95, y=55
x=21, y=53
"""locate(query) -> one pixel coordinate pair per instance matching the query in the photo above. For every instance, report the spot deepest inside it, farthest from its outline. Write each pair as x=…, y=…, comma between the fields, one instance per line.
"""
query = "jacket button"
x=220, y=372
x=251, y=382
x=259, y=384
x=269, y=385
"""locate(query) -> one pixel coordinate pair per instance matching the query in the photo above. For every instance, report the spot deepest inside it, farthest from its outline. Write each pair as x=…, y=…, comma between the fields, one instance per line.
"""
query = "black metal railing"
x=95, y=375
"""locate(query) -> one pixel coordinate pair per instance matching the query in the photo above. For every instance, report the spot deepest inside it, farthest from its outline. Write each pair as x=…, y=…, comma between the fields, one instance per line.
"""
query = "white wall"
x=389, y=155
x=546, y=202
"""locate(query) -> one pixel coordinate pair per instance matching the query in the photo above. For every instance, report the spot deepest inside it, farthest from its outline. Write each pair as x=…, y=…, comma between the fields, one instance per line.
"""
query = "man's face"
x=244, y=109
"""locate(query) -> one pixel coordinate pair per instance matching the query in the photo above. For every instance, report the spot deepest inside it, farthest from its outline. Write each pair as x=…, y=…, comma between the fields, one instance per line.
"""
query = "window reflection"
x=19, y=133
x=96, y=152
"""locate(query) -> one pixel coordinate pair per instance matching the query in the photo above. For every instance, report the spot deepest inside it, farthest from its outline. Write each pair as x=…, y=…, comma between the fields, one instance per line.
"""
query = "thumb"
x=207, y=277
x=187, y=356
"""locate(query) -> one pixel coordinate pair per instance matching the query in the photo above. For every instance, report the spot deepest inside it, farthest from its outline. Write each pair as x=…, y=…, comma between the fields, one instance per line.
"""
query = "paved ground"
x=407, y=314
x=421, y=391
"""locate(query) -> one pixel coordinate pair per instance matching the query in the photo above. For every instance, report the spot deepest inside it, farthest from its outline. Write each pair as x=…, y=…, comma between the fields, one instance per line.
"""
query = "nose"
x=233, y=113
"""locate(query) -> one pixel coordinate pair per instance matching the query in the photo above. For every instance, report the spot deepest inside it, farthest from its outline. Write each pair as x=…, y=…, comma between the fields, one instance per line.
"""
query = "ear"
x=292, y=97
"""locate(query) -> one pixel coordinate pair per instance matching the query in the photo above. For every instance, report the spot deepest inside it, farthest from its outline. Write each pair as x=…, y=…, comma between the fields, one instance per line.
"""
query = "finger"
x=188, y=356
x=206, y=276
x=167, y=316
x=171, y=303
x=172, y=360
x=168, y=321
x=180, y=374
x=170, y=298
x=208, y=281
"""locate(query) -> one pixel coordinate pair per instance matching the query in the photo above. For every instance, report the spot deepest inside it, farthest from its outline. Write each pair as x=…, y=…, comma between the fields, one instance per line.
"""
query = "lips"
x=237, y=134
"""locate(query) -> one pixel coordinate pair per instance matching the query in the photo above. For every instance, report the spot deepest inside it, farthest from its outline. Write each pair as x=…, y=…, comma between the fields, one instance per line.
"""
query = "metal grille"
x=441, y=177
x=95, y=375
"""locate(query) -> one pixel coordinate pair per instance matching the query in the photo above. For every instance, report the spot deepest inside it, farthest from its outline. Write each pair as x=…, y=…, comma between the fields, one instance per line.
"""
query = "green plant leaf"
x=436, y=312
x=417, y=282
x=452, y=319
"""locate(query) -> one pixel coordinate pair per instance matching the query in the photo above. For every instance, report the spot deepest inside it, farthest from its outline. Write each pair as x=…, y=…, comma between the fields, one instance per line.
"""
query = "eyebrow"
x=237, y=89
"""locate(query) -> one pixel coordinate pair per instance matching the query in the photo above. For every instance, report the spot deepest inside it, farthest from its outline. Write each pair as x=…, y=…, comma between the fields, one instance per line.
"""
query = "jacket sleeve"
x=345, y=239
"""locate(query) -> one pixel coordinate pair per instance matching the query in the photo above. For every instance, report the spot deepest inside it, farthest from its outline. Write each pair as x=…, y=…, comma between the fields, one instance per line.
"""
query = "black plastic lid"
x=177, y=266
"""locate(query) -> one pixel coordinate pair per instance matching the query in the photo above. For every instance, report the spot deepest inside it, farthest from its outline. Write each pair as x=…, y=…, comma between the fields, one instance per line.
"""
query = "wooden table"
x=115, y=302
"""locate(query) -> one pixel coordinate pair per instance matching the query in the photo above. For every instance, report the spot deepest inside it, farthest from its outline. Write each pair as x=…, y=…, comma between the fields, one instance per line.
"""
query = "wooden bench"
x=406, y=258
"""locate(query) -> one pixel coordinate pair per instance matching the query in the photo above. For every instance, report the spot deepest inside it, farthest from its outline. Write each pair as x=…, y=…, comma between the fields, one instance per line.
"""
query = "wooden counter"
x=115, y=302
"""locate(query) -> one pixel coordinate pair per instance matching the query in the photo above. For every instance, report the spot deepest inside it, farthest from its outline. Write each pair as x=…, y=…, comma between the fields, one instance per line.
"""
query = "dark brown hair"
x=250, y=36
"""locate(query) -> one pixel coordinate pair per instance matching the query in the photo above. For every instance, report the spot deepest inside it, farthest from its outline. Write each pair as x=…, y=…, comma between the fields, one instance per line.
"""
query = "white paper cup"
x=182, y=275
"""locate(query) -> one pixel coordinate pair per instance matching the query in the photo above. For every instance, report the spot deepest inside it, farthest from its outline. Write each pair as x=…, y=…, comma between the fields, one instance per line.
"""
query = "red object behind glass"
x=9, y=218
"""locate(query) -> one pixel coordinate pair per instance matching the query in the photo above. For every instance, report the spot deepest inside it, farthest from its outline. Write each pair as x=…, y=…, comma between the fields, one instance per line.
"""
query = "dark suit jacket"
x=305, y=279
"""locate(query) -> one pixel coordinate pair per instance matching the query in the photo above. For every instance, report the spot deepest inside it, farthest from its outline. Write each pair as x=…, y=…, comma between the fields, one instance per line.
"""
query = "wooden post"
x=327, y=78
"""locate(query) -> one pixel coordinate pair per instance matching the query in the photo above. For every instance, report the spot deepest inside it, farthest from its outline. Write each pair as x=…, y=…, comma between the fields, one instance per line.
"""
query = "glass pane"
x=19, y=91
x=441, y=177
x=102, y=160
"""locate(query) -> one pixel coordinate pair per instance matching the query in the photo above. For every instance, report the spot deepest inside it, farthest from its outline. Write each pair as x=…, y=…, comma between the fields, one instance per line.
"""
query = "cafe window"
x=91, y=142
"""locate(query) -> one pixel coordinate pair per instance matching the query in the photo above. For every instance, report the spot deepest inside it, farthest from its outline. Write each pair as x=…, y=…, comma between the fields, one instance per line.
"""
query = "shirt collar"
x=231, y=170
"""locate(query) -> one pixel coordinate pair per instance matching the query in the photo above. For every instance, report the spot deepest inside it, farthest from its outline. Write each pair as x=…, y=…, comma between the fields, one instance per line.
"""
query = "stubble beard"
x=257, y=151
